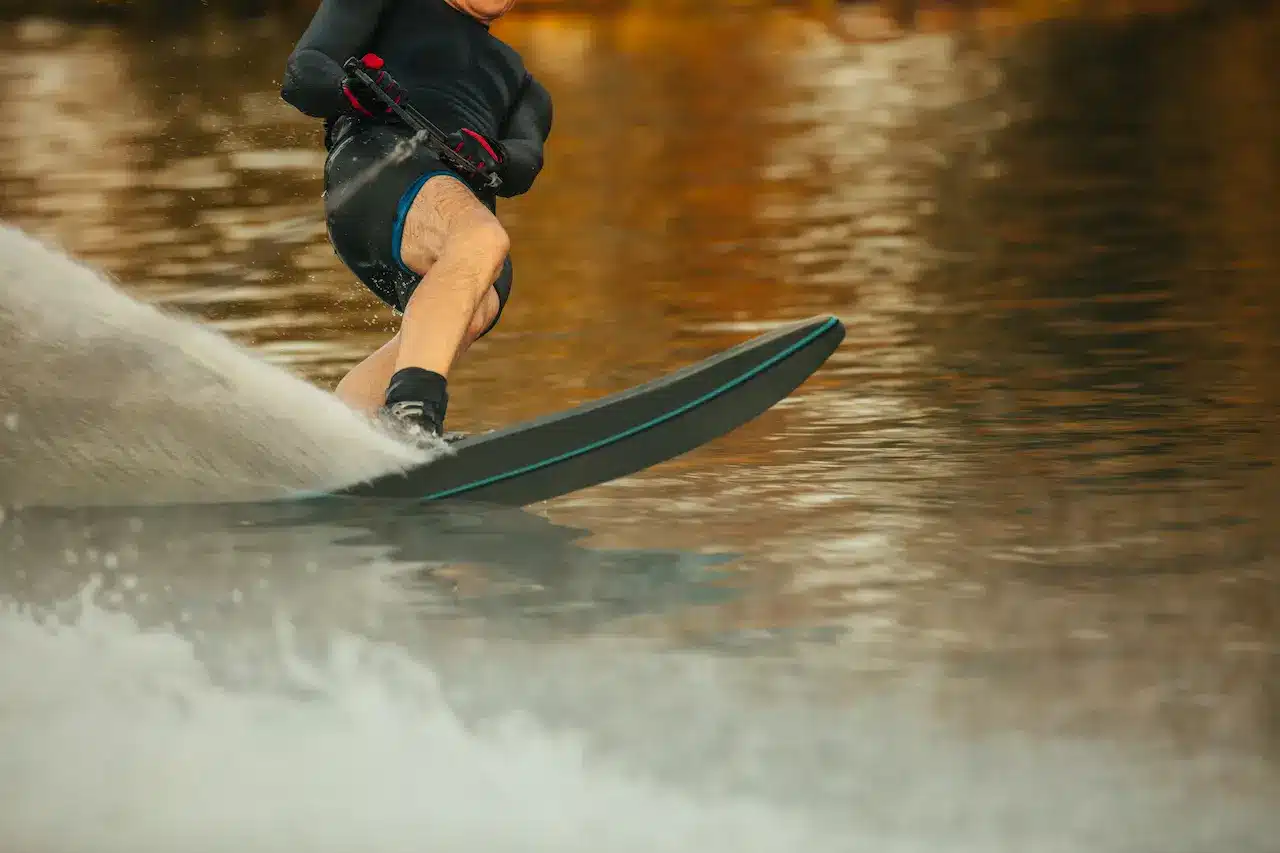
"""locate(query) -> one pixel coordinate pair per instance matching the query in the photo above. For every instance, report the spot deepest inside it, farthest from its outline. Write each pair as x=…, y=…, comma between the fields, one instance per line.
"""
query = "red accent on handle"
x=372, y=60
x=355, y=102
x=484, y=143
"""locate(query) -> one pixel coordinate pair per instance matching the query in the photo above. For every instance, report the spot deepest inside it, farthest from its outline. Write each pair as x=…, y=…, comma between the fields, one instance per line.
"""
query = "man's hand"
x=362, y=98
x=484, y=154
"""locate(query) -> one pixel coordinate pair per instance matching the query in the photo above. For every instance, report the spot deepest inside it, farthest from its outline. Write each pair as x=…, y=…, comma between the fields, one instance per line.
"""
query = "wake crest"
x=108, y=400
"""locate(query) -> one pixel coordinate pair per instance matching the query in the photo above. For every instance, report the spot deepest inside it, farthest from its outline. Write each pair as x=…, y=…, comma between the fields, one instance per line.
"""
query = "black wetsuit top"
x=453, y=70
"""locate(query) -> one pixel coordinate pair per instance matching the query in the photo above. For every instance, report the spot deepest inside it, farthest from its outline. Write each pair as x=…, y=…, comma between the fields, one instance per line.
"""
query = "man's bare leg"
x=458, y=246
x=365, y=385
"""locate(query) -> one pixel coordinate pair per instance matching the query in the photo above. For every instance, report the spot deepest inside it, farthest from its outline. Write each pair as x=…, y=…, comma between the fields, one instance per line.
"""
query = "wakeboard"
x=621, y=433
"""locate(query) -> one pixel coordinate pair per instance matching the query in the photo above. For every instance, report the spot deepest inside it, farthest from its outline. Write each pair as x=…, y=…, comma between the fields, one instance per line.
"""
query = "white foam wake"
x=107, y=400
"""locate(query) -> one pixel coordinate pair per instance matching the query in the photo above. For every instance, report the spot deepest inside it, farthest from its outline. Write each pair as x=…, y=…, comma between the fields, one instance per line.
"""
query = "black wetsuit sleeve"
x=526, y=131
x=313, y=73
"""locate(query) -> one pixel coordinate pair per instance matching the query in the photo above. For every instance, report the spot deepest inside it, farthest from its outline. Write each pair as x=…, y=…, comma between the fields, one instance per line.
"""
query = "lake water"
x=1001, y=577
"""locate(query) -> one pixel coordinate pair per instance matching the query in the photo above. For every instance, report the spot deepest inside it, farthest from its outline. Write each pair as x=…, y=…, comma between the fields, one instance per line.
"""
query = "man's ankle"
x=418, y=385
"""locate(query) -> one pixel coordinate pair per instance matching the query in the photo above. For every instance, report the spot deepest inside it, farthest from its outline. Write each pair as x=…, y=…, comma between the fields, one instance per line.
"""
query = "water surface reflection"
x=1040, y=469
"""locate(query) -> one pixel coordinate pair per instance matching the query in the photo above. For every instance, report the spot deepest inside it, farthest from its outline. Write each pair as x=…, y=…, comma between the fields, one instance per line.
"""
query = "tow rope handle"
x=422, y=127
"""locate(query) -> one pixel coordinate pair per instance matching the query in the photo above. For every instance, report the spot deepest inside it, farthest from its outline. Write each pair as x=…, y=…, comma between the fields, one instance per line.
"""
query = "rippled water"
x=1001, y=577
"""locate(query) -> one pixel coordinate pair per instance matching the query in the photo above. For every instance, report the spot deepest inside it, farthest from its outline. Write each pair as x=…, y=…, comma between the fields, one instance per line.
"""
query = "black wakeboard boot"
x=416, y=403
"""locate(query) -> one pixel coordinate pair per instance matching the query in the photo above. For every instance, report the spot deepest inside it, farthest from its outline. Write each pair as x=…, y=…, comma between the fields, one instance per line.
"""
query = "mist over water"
x=368, y=755
x=266, y=741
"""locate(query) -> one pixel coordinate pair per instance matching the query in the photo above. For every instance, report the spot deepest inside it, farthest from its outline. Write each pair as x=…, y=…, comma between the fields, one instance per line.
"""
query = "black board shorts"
x=365, y=215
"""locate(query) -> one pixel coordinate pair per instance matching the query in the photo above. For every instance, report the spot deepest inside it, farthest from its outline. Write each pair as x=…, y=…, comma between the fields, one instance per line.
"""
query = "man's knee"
x=446, y=218
x=482, y=240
